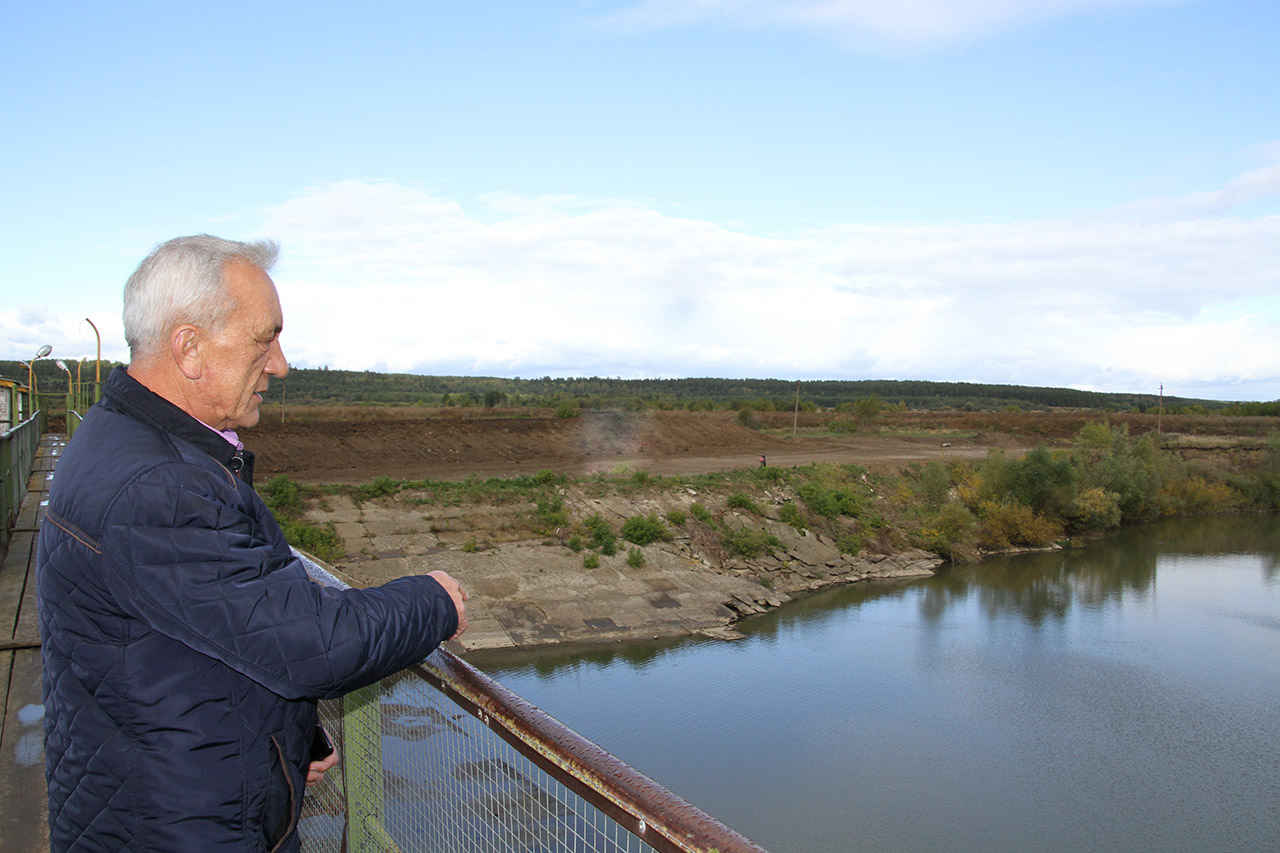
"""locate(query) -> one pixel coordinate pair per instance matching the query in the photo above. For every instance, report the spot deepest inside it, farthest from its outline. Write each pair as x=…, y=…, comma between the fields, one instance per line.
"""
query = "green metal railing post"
x=362, y=770
x=6, y=485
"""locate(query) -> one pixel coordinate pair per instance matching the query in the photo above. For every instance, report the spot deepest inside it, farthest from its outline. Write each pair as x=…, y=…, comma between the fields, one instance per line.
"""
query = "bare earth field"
x=355, y=445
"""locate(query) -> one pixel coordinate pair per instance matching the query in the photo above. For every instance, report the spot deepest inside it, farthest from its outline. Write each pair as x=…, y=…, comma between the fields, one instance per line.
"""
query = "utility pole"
x=1160, y=411
x=795, y=415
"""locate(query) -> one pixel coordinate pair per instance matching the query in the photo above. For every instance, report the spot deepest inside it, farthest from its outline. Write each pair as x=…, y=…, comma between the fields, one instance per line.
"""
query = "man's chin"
x=250, y=416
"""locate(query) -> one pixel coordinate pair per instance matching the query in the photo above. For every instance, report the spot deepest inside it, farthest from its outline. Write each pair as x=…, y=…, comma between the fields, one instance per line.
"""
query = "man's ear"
x=184, y=346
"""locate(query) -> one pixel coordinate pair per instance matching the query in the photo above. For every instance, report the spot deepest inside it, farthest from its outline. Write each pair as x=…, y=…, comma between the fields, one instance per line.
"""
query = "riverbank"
x=555, y=558
x=537, y=592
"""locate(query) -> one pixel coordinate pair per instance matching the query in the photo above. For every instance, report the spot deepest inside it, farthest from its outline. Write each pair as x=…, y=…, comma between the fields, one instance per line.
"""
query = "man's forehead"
x=255, y=293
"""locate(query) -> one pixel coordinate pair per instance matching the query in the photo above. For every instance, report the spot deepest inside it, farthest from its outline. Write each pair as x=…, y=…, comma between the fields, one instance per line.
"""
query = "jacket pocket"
x=279, y=811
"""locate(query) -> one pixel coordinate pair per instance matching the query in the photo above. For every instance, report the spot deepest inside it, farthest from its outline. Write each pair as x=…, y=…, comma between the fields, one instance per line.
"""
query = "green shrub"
x=866, y=408
x=591, y=560
x=748, y=541
x=378, y=487
x=283, y=497
x=768, y=475
x=575, y=543
x=849, y=543
x=471, y=547
x=567, y=410
x=952, y=533
x=828, y=502
x=935, y=482
x=738, y=500
x=550, y=513
x=609, y=548
x=1095, y=509
x=322, y=541
x=748, y=419
x=676, y=517
x=1009, y=523
x=790, y=513
x=599, y=534
x=700, y=512
x=1197, y=496
x=642, y=529
x=635, y=558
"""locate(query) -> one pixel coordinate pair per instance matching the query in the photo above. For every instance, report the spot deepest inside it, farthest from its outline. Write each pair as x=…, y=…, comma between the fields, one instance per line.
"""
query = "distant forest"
x=349, y=387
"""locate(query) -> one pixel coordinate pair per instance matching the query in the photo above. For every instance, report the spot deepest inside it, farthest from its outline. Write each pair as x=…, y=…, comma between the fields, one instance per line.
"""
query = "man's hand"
x=459, y=596
x=315, y=772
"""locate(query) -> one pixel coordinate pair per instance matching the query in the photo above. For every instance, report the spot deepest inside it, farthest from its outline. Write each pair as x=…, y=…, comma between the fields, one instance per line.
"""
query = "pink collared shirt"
x=229, y=435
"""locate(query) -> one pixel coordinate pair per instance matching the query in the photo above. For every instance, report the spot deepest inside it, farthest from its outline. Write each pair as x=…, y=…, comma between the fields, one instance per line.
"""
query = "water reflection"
x=1039, y=588
x=1120, y=696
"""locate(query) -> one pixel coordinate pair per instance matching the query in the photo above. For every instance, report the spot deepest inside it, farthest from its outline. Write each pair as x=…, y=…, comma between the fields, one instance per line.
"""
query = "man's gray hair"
x=181, y=282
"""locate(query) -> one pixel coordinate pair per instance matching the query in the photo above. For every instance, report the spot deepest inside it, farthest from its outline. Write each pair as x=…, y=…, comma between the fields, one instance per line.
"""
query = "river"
x=1123, y=696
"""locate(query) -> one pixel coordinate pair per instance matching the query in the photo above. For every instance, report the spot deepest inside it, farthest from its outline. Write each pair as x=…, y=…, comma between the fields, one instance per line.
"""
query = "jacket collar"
x=136, y=400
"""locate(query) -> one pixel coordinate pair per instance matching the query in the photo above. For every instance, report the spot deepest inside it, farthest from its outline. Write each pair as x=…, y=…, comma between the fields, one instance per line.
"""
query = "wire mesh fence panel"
x=440, y=758
x=448, y=784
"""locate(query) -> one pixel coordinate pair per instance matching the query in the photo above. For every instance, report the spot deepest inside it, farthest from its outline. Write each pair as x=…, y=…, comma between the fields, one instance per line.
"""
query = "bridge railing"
x=442, y=758
x=17, y=459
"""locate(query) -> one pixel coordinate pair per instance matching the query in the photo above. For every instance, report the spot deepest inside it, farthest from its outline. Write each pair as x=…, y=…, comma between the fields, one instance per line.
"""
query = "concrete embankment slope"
x=532, y=592
x=24, y=805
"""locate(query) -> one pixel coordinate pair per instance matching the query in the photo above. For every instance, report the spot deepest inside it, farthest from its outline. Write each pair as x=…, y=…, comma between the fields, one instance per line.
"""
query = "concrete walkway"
x=24, y=805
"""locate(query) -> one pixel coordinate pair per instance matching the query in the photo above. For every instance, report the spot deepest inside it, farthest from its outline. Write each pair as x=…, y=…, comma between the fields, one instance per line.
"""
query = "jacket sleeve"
x=204, y=572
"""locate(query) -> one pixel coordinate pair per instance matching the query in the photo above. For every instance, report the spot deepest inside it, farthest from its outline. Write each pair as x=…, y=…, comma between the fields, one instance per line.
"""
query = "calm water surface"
x=1125, y=696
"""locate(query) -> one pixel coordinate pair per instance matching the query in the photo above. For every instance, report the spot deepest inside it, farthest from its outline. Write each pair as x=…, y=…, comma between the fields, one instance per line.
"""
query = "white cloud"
x=916, y=22
x=384, y=276
x=380, y=274
x=1254, y=185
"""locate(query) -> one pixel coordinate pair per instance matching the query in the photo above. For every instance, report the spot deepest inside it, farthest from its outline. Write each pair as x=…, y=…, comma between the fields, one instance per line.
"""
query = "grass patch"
x=286, y=501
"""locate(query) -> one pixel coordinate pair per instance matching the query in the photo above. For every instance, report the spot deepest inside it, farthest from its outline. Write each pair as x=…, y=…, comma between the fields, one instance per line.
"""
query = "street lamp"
x=43, y=352
x=70, y=403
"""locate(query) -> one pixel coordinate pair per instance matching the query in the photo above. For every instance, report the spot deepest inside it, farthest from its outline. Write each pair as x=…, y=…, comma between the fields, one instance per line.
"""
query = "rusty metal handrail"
x=649, y=811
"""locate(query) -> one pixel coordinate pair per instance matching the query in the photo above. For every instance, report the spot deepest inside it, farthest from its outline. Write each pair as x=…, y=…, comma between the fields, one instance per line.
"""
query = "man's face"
x=246, y=351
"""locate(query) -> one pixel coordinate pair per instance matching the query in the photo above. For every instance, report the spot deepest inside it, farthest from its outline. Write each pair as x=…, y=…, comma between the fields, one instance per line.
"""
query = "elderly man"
x=184, y=647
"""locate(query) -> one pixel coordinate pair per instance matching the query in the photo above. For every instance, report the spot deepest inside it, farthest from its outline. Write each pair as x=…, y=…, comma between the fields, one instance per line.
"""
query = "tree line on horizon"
x=366, y=387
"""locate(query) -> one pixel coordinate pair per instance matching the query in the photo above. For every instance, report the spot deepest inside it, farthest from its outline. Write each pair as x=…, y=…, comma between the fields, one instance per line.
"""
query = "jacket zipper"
x=293, y=816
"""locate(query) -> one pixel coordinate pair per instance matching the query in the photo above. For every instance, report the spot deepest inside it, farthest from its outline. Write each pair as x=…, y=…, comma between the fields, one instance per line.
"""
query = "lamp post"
x=43, y=352
x=97, y=370
x=70, y=402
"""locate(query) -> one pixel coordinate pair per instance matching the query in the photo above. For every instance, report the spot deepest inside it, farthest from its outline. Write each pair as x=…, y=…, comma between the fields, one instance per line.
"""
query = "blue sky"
x=1069, y=192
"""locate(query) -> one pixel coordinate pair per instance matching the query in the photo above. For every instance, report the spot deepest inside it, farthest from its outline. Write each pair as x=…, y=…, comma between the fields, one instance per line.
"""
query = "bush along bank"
x=1106, y=479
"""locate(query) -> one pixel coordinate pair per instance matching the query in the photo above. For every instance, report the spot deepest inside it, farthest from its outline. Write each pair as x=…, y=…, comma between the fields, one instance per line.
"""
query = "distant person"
x=762, y=462
x=184, y=646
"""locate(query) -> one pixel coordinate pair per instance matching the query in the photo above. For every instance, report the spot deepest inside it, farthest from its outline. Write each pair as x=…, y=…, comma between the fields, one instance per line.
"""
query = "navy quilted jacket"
x=183, y=645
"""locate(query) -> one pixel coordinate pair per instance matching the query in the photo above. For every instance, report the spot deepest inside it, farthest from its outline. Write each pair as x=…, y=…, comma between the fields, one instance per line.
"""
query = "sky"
x=1072, y=193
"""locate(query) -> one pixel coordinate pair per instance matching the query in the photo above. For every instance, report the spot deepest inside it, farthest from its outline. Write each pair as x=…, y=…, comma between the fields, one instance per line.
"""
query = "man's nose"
x=276, y=363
